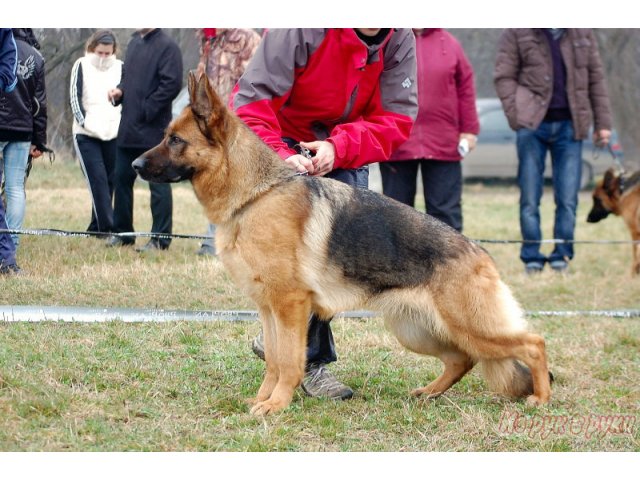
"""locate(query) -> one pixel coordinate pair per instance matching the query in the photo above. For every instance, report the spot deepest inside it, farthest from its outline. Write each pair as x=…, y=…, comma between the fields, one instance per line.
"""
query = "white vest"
x=101, y=118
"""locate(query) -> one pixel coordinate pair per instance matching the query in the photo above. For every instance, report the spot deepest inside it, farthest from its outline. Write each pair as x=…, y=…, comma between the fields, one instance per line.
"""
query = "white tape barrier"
x=31, y=313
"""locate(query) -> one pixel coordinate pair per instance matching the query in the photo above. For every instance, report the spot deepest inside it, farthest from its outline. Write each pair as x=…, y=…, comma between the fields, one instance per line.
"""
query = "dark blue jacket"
x=8, y=60
x=151, y=79
x=23, y=112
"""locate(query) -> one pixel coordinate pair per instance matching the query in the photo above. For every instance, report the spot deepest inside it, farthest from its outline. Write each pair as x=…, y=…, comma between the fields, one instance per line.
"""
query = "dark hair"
x=101, y=37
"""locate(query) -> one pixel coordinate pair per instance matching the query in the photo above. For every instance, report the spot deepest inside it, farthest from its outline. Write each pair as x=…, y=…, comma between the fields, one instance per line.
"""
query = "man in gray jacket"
x=552, y=85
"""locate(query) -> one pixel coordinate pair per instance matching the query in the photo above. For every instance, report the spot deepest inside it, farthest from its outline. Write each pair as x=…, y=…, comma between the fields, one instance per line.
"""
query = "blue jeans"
x=210, y=242
x=566, y=162
x=7, y=247
x=15, y=157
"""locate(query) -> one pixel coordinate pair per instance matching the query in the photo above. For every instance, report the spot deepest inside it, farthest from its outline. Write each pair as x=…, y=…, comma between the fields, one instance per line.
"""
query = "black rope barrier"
x=71, y=233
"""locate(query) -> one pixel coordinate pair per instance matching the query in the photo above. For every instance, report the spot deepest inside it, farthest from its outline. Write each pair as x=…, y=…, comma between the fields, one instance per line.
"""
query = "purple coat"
x=446, y=99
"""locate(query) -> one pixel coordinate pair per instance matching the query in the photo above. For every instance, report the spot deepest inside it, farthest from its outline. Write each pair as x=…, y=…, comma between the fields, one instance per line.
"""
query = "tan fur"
x=273, y=238
x=625, y=204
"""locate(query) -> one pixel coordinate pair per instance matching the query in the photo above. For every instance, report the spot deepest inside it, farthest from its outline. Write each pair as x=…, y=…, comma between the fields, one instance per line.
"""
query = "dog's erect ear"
x=611, y=181
x=205, y=104
x=192, y=83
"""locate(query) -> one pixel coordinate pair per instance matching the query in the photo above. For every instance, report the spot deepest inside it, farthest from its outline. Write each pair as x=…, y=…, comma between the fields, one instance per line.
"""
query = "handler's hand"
x=34, y=152
x=471, y=139
x=601, y=137
x=114, y=95
x=300, y=164
x=325, y=156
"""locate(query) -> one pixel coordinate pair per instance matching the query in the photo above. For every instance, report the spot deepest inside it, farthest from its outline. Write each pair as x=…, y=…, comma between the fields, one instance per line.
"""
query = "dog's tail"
x=508, y=377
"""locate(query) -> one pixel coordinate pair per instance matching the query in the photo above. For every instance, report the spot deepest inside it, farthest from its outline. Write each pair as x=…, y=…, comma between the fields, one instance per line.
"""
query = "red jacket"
x=326, y=84
x=446, y=98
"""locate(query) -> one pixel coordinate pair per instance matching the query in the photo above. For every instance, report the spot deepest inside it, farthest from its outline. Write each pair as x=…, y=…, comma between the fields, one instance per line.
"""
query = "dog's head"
x=605, y=197
x=193, y=142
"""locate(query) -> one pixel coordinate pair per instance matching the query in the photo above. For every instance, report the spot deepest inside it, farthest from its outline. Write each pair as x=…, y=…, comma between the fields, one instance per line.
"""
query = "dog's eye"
x=174, y=140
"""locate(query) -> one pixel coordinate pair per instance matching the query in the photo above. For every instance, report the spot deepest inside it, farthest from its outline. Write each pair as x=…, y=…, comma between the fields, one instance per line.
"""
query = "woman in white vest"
x=96, y=121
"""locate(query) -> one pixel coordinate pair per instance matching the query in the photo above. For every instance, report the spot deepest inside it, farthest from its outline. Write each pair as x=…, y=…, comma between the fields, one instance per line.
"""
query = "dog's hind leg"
x=529, y=348
x=290, y=316
x=456, y=365
x=414, y=329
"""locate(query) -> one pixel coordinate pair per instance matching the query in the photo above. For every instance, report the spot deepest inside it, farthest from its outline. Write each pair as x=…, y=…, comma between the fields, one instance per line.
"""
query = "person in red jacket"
x=444, y=131
x=349, y=97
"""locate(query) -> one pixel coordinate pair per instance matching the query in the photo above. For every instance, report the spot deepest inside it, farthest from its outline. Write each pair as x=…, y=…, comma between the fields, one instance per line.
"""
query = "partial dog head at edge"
x=605, y=197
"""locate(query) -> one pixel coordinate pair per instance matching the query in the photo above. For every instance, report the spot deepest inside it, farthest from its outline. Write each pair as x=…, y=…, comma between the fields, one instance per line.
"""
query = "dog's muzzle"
x=598, y=212
x=138, y=165
x=163, y=174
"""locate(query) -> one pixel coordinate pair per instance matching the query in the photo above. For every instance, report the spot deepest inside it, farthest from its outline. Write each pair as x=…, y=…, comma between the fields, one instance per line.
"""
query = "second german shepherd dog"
x=620, y=194
x=301, y=244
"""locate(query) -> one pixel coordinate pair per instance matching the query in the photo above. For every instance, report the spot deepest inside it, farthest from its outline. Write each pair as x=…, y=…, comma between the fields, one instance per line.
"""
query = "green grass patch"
x=181, y=386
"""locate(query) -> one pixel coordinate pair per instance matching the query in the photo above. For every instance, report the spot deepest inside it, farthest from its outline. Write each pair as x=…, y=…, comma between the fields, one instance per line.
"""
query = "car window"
x=494, y=121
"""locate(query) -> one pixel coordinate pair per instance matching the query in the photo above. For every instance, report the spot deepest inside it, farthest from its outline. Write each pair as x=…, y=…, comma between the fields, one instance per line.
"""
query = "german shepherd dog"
x=620, y=195
x=300, y=244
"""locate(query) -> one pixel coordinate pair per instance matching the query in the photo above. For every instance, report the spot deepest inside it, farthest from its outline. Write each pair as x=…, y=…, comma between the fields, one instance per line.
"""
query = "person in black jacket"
x=23, y=125
x=151, y=79
x=8, y=81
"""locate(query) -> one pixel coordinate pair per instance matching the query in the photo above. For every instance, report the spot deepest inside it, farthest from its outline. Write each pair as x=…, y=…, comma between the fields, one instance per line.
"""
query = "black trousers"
x=442, y=182
x=161, y=198
x=320, y=345
x=98, y=160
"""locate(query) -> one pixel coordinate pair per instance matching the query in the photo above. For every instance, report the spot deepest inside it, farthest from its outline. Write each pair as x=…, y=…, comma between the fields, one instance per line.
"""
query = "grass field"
x=179, y=386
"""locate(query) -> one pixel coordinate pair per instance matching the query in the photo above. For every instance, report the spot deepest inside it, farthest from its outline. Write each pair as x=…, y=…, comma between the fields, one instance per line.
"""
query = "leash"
x=305, y=152
x=616, y=162
x=616, y=159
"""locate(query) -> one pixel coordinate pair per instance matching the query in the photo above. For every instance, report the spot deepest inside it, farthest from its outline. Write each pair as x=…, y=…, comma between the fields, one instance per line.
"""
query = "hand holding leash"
x=35, y=152
x=601, y=137
x=324, y=156
x=300, y=164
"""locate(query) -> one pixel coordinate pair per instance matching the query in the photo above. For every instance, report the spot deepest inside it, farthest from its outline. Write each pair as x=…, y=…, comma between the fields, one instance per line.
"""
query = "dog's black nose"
x=138, y=164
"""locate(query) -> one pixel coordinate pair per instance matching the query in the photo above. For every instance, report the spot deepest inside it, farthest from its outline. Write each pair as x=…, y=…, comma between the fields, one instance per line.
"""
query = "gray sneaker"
x=206, y=251
x=257, y=346
x=318, y=380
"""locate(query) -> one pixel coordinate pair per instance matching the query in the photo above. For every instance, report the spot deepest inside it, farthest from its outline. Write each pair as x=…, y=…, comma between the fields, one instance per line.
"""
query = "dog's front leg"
x=290, y=316
x=271, y=375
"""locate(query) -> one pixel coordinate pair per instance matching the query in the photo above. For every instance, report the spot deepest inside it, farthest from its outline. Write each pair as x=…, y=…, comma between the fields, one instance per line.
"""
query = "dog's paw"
x=428, y=393
x=536, y=401
x=267, y=407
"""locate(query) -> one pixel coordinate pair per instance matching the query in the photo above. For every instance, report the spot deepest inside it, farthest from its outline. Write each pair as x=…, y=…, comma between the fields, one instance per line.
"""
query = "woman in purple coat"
x=444, y=131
